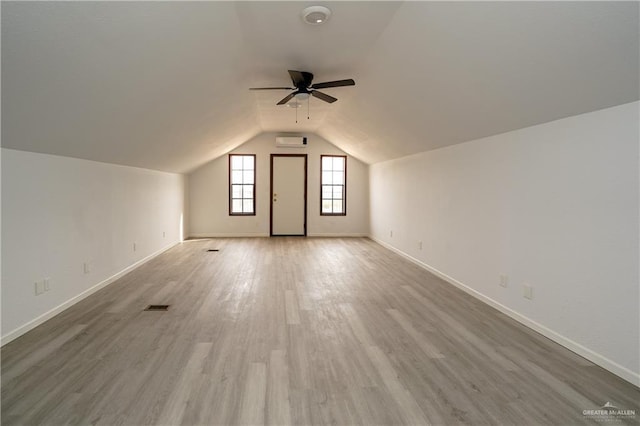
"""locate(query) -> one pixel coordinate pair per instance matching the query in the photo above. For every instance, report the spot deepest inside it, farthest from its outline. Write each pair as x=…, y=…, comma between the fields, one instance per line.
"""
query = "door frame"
x=271, y=195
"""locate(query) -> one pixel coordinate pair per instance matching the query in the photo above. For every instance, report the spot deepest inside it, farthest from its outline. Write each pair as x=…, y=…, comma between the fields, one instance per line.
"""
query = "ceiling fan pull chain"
x=296, y=114
x=308, y=100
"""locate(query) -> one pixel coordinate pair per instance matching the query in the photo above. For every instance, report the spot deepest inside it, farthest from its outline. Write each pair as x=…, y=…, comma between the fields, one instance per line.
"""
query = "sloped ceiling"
x=163, y=85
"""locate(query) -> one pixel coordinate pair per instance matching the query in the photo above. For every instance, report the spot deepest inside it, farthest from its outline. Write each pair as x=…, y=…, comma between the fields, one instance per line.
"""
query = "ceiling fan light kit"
x=297, y=100
x=316, y=15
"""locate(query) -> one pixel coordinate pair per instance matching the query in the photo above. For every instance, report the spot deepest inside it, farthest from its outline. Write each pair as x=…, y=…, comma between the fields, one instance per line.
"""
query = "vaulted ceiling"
x=163, y=85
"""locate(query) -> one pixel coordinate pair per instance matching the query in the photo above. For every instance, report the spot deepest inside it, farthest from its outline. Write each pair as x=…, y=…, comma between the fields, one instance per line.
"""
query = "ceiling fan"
x=302, y=82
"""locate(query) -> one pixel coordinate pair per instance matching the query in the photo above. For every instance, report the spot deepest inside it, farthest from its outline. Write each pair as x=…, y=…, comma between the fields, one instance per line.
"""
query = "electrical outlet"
x=164, y=234
x=527, y=292
x=391, y=234
x=86, y=267
x=39, y=287
x=134, y=246
x=419, y=245
x=504, y=280
x=47, y=284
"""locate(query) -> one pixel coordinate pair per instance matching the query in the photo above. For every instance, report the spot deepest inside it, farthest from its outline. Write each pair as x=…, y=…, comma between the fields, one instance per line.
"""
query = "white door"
x=288, y=194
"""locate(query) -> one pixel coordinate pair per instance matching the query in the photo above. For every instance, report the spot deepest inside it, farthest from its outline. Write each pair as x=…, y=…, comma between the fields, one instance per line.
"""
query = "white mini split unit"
x=291, y=141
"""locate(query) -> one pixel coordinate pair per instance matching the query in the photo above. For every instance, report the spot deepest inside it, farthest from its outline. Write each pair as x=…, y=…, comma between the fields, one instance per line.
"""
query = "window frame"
x=344, y=189
x=255, y=167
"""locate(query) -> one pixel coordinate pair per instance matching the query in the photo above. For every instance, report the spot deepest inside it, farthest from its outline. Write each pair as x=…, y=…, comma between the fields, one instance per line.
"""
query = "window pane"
x=326, y=178
x=236, y=162
x=326, y=206
x=337, y=178
x=338, y=163
x=236, y=191
x=248, y=162
x=337, y=206
x=247, y=206
x=337, y=192
x=327, y=163
x=247, y=176
x=326, y=191
x=247, y=191
x=236, y=177
x=236, y=206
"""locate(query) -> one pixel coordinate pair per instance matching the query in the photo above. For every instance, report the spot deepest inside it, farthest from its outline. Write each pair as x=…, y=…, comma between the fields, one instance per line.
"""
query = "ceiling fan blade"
x=272, y=88
x=324, y=96
x=287, y=98
x=337, y=83
x=301, y=79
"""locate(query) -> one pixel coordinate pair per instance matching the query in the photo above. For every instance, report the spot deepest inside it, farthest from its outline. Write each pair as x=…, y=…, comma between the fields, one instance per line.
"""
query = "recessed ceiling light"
x=316, y=15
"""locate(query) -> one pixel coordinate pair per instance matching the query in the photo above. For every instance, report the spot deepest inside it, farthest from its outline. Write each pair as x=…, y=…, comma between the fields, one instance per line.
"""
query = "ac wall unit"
x=291, y=141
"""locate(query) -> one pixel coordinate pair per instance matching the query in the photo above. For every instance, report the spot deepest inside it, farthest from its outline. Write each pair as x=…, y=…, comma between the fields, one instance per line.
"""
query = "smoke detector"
x=316, y=15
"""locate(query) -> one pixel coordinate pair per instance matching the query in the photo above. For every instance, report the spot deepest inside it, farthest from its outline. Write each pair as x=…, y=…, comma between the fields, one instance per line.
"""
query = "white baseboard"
x=229, y=235
x=338, y=235
x=579, y=349
x=258, y=234
x=12, y=335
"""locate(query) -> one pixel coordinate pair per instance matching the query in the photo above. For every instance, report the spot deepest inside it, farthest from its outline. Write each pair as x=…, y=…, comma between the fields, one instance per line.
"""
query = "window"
x=333, y=185
x=242, y=177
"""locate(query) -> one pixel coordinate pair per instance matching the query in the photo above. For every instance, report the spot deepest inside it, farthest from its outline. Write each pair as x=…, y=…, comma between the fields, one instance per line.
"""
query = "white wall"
x=1, y=298
x=554, y=206
x=59, y=212
x=209, y=193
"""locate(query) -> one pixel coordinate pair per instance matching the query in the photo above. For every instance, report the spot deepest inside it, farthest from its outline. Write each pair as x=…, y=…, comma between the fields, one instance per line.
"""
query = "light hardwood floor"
x=294, y=331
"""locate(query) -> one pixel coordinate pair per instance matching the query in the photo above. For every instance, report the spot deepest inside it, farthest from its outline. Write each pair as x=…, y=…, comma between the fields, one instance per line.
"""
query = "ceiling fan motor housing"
x=307, y=78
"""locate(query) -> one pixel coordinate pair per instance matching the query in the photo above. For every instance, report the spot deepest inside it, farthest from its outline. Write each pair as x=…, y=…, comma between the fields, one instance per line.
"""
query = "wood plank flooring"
x=295, y=331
